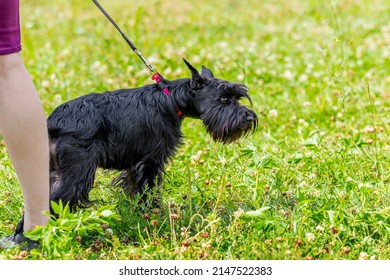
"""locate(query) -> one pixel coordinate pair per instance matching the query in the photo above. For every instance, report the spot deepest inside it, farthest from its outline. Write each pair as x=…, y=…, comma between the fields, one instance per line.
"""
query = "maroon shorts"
x=9, y=27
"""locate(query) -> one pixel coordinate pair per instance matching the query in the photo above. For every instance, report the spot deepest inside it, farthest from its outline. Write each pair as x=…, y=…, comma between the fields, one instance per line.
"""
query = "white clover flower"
x=45, y=84
x=238, y=213
x=303, y=184
x=303, y=78
x=319, y=228
x=302, y=122
x=273, y=113
x=310, y=237
x=369, y=129
x=363, y=256
x=96, y=65
x=317, y=193
x=195, y=157
x=240, y=77
x=288, y=75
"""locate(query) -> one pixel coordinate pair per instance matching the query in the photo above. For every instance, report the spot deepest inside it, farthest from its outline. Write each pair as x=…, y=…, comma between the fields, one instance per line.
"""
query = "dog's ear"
x=196, y=79
x=206, y=72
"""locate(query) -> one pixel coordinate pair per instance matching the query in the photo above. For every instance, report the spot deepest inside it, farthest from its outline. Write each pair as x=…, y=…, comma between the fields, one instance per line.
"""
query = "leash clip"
x=156, y=77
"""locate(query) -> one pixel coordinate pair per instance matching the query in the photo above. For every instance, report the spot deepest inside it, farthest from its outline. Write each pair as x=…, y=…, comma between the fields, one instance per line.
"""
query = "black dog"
x=138, y=130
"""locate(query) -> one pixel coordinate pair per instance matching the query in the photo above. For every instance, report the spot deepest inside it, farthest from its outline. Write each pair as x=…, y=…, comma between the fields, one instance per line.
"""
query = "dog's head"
x=217, y=103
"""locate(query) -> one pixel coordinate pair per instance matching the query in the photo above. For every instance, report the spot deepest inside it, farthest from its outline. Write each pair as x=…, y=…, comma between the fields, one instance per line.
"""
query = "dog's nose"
x=249, y=118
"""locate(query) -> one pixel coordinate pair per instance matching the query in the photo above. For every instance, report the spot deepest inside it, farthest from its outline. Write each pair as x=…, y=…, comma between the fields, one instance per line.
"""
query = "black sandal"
x=18, y=239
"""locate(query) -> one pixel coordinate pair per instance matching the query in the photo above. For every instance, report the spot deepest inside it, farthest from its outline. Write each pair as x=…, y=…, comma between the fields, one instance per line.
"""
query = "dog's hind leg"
x=76, y=173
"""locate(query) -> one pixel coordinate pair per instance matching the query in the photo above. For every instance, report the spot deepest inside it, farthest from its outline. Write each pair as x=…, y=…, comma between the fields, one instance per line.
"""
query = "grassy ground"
x=311, y=183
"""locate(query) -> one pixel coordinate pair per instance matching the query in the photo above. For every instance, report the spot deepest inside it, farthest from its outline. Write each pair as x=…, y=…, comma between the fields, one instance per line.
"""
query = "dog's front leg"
x=144, y=176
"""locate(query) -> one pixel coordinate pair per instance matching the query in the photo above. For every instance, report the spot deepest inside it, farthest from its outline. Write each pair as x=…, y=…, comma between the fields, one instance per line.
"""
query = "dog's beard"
x=227, y=124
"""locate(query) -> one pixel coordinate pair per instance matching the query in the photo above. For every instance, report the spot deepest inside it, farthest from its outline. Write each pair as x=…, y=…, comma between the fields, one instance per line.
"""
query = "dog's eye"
x=224, y=99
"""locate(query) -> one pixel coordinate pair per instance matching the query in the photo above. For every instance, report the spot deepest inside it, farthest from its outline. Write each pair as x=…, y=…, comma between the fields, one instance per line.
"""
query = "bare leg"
x=23, y=126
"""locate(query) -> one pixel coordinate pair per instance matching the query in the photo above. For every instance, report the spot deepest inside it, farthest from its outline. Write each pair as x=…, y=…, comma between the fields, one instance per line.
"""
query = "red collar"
x=157, y=77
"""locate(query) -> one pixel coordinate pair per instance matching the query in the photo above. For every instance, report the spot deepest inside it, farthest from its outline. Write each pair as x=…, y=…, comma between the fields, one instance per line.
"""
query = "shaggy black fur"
x=138, y=131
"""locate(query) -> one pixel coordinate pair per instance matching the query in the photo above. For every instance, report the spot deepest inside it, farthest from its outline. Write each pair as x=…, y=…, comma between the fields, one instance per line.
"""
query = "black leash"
x=131, y=44
x=155, y=75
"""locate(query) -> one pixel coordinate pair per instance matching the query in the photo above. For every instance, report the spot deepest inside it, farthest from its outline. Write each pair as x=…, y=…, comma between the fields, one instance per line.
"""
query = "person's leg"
x=23, y=127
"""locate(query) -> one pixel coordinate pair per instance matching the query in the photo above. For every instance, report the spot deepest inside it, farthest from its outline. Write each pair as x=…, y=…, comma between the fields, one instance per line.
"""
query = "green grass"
x=311, y=183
